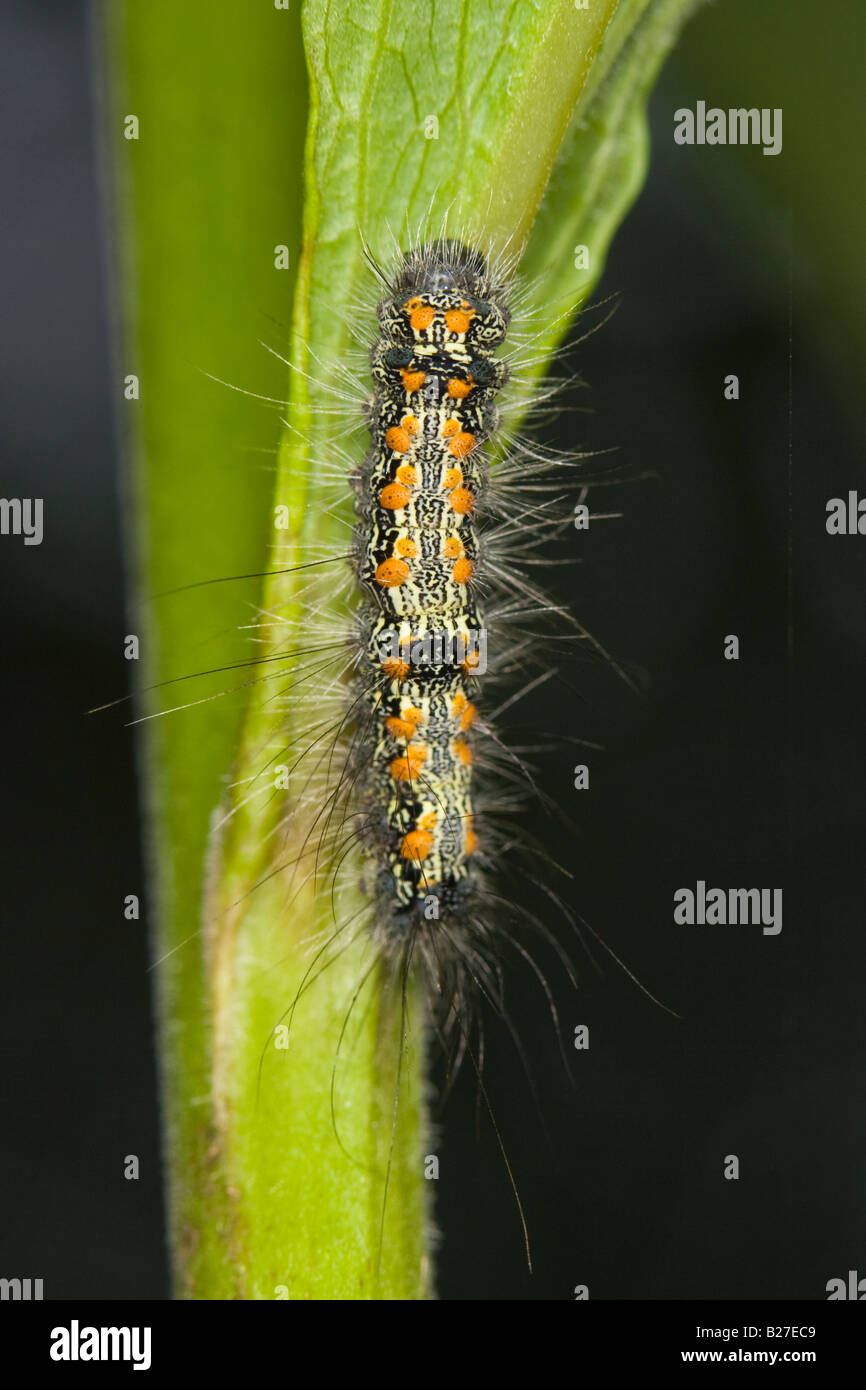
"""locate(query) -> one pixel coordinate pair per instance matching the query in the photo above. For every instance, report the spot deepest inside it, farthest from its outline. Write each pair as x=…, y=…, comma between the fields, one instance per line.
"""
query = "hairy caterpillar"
x=418, y=494
x=437, y=553
x=389, y=759
x=400, y=759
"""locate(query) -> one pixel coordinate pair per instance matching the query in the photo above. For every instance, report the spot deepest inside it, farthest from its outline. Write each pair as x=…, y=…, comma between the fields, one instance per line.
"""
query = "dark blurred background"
x=745, y=773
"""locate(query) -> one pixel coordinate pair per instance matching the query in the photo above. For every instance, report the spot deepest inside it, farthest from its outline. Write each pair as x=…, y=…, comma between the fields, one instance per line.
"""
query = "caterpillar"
x=437, y=547
x=419, y=492
x=397, y=757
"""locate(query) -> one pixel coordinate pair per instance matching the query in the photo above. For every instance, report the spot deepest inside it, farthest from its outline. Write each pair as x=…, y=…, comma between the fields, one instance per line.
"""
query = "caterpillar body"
x=398, y=756
x=419, y=492
x=388, y=747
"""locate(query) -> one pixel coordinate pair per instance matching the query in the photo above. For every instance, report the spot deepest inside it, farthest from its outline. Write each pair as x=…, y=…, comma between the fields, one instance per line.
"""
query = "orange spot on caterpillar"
x=406, y=547
x=468, y=717
x=450, y=427
x=408, y=767
x=421, y=315
x=395, y=669
x=416, y=845
x=412, y=380
x=459, y=389
x=407, y=474
x=461, y=750
x=392, y=573
x=453, y=477
x=400, y=727
x=470, y=842
x=397, y=439
x=394, y=496
x=471, y=662
x=462, y=501
x=462, y=444
x=452, y=549
x=458, y=320
x=463, y=571
x=458, y=704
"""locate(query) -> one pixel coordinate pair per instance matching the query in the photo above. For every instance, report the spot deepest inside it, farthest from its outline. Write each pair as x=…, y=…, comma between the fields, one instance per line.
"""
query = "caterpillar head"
x=442, y=295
